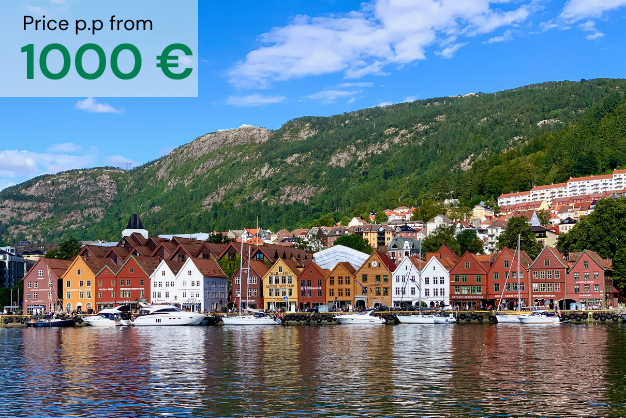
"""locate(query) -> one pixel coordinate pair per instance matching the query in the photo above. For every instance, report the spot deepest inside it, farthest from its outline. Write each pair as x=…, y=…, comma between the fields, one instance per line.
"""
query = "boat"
x=110, y=317
x=417, y=319
x=48, y=322
x=445, y=319
x=540, y=318
x=503, y=318
x=364, y=317
x=258, y=318
x=164, y=315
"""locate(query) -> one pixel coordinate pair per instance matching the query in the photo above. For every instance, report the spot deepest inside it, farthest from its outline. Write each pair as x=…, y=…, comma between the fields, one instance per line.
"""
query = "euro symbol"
x=165, y=65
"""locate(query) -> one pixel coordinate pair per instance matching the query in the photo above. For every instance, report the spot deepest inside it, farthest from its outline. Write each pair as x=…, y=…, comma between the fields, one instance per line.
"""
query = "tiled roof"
x=549, y=186
x=58, y=267
x=208, y=268
x=601, y=177
x=174, y=266
x=97, y=264
x=502, y=196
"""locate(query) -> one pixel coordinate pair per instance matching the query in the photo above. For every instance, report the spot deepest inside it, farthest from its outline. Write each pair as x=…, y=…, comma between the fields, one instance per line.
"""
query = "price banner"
x=99, y=48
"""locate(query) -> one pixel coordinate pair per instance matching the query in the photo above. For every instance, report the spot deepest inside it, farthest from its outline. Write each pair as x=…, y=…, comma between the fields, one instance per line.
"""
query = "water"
x=466, y=370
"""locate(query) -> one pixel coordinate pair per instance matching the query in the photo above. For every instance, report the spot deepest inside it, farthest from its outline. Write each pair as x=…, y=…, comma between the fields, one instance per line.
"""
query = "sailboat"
x=419, y=318
x=503, y=318
x=254, y=317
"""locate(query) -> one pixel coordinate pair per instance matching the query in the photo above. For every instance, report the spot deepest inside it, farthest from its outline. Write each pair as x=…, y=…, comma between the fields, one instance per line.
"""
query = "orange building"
x=341, y=286
x=374, y=279
x=79, y=283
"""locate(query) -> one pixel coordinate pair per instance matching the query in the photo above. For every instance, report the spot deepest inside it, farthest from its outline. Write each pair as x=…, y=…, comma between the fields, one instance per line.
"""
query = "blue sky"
x=265, y=62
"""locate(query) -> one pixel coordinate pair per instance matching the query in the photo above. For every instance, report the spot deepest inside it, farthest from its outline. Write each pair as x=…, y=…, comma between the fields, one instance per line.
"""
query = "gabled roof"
x=446, y=251
x=97, y=264
x=174, y=266
x=498, y=224
x=259, y=267
x=94, y=251
x=347, y=266
x=121, y=252
x=215, y=249
x=147, y=264
x=58, y=267
x=141, y=250
x=207, y=267
x=391, y=266
x=313, y=266
x=478, y=261
x=605, y=264
x=555, y=253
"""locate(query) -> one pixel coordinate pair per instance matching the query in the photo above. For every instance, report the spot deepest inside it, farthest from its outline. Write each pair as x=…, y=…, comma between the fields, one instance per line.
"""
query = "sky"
x=263, y=63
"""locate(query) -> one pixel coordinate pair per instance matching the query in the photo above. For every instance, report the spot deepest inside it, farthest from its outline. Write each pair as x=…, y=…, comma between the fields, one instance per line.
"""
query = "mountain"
x=355, y=162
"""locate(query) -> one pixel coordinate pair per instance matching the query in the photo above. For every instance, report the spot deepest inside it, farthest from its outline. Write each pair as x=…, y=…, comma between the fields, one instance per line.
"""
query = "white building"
x=513, y=198
x=436, y=222
x=198, y=284
x=548, y=192
x=589, y=185
x=435, y=282
x=619, y=179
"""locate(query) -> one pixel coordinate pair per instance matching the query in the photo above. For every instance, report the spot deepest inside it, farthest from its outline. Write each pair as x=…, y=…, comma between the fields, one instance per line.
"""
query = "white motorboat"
x=259, y=318
x=164, y=315
x=365, y=317
x=445, y=319
x=509, y=318
x=540, y=318
x=417, y=319
x=110, y=317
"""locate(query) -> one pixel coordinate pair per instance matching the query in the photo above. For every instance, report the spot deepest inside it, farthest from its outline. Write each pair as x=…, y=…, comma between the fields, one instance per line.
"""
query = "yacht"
x=258, y=318
x=540, y=318
x=50, y=322
x=162, y=315
x=110, y=317
x=417, y=319
x=509, y=318
x=365, y=317
x=445, y=319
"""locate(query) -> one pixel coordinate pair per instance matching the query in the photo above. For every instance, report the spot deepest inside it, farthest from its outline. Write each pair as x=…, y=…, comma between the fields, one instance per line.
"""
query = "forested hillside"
x=473, y=147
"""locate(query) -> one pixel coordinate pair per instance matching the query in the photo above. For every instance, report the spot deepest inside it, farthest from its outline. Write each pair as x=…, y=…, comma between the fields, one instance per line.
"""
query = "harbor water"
x=463, y=370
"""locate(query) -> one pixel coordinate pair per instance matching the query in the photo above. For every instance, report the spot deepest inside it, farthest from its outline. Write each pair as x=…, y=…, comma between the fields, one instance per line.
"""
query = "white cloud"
x=575, y=10
x=58, y=1
x=506, y=36
x=352, y=100
x=331, y=96
x=14, y=163
x=364, y=42
x=165, y=151
x=4, y=183
x=91, y=105
x=120, y=161
x=384, y=104
x=361, y=84
x=254, y=100
x=594, y=36
x=449, y=51
x=36, y=10
x=64, y=147
x=410, y=99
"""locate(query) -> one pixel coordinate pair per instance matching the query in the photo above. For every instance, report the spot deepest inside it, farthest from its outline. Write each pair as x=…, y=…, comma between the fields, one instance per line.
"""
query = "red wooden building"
x=129, y=285
x=311, y=286
x=254, y=286
x=503, y=284
x=43, y=286
x=468, y=282
x=547, y=278
x=590, y=281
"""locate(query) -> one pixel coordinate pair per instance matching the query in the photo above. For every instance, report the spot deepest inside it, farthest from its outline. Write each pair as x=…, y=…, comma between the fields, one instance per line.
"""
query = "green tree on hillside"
x=469, y=241
x=355, y=242
x=381, y=217
x=519, y=227
x=444, y=235
x=66, y=251
x=218, y=239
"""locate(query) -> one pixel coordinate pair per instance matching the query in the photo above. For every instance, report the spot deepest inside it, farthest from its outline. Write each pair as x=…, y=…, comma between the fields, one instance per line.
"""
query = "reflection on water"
x=482, y=370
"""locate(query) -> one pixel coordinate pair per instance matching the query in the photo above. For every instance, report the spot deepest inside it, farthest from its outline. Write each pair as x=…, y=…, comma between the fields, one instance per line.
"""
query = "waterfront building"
x=406, y=282
x=280, y=290
x=79, y=283
x=547, y=277
x=163, y=283
x=590, y=281
x=468, y=281
x=12, y=269
x=502, y=280
x=399, y=248
x=374, y=276
x=133, y=280
x=106, y=287
x=43, y=286
x=311, y=288
x=254, y=285
x=201, y=286
x=342, y=288
x=436, y=279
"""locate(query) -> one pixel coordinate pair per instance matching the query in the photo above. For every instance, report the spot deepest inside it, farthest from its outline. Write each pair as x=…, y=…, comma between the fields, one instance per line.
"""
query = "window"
x=435, y=292
x=29, y=285
x=507, y=287
x=309, y=283
x=280, y=269
x=464, y=290
x=496, y=276
x=596, y=275
x=385, y=291
x=378, y=291
x=596, y=287
x=542, y=274
x=464, y=278
x=557, y=287
x=546, y=263
x=331, y=282
x=68, y=284
x=35, y=296
x=319, y=292
x=542, y=287
x=141, y=282
x=99, y=283
x=587, y=288
x=496, y=287
x=81, y=283
x=347, y=281
x=340, y=292
x=456, y=278
x=536, y=287
x=412, y=291
x=167, y=295
x=88, y=283
x=319, y=282
x=127, y=282
x=586, y=264
x=112, y=294
x=576, y=276
x=576, y=288
x=40, y=273
x=549, y=274
x=112, y=283
x=331, y=292
x=557, y=274
x=131, y=270
x=586, y=275
x=270, y=292
x=457, y=290
x=237, y=280
x=340, y=280
x=535, y=274
x=188, y=272
x=427, y=280
x=467, y=264
x=427, y=292
x=289, y=279
x=385, y=279
x=163, y=273
x=377, y=279
x=549, y=287
x=28, y=296
x=78, y=272
x=142, y=293
x=478, y=278
x=88, y=295
x=506, y=264
x=122, y=283
x=365, y=278
x=68, y=295
x=507, y=275
x=81, y=295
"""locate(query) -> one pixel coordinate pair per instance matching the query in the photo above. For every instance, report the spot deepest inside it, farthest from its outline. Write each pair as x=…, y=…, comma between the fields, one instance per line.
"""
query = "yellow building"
x=280, y=287
x=341, y=286
x=79, y=283
x=376, y=235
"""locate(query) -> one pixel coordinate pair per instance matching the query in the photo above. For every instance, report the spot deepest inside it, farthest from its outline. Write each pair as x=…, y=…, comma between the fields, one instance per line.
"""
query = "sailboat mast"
x=248, y=279
x=519, y=290
x=419, y=276
x=240, y=271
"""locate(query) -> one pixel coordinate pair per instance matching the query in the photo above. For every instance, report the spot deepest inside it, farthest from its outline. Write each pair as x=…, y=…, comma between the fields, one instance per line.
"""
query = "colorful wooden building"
x=43, y=286
x=341, y=287
x=468, y=282
x=547, y=278
x=311, y=286
x=280, y=288
x=374, y=278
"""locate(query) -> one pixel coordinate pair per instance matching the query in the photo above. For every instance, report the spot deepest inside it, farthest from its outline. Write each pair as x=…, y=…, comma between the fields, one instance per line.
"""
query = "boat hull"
x=51, y=324
x=100, y=322
x=529, y=320
x=445, y=320
x=508, y=319
x=249, y=320
x=176, y=319
x=363, y=320
x=417, y=319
